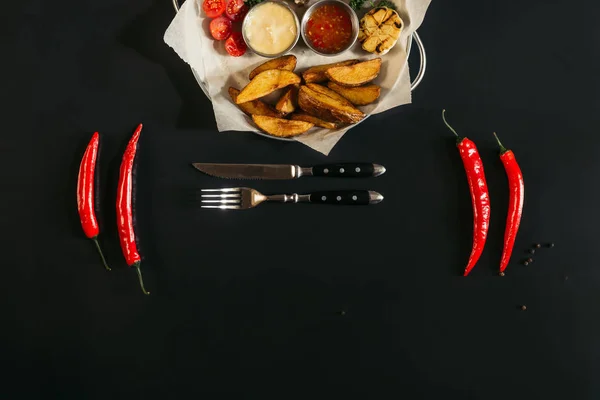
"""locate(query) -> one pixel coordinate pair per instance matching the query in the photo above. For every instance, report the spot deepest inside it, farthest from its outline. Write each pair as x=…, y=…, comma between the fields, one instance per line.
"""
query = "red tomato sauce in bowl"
x=329, y=29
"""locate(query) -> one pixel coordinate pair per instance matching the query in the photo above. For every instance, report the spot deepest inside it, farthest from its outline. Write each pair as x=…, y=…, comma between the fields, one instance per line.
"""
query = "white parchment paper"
x=189, y=36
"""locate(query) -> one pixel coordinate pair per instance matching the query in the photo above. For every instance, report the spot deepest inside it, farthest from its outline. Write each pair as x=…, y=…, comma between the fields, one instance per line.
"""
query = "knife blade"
x=287, y=171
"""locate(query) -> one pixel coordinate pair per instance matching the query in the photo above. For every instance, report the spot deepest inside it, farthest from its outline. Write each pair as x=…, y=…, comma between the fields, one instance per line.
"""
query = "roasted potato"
x=326, y=107
x=328, y=92
x=316, y=74
x=267, y=82
x=359, y=96
x=355, y=75
x=254, y=107
x=288, y=101
x=302, y=116
x=286, y=62
x=281, y=127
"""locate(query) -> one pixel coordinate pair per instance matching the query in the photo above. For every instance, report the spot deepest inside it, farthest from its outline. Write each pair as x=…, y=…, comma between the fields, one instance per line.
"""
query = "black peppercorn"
x=525, y=263
x=523, y=308
x=550, y=245
x=537, y=245
x=531, y=251
x=530, y=260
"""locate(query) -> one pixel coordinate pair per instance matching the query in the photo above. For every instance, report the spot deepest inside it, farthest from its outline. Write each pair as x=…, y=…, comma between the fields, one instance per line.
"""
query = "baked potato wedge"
x=254, y=107
x=302, y=116
x=267, y=82
x=359, y=96
x=355, y=75
x=327, y=107
x=285, y=62
x=288, y=101
x=328, y=92
x=281, y=127
x=316, y=74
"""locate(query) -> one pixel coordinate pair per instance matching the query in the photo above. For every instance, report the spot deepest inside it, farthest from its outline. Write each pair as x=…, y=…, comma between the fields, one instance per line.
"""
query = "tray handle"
x=415, y=37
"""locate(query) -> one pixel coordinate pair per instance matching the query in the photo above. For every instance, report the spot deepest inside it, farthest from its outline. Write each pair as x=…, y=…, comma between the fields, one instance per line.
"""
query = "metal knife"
x=285, y=171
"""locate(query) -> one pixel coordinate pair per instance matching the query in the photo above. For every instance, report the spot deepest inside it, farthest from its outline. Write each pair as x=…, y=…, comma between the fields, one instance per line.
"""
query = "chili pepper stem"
x=139, y=273
x=95, y=239
x=458, y=138
x=502, y=148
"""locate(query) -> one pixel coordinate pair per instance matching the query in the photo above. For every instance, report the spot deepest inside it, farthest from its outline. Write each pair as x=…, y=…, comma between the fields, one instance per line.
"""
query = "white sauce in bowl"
x=270, y=29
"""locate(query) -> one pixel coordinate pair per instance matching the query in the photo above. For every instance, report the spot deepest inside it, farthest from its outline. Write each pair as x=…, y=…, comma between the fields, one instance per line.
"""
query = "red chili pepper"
x=86, y=193
x=480, y=197
x=125, y=208
x=515, y=202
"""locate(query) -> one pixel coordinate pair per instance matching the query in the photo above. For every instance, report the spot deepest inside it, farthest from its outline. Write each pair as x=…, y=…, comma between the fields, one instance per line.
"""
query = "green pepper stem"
x=95, y=239
x=448, y=125
x=502, y=148
x=139, y=273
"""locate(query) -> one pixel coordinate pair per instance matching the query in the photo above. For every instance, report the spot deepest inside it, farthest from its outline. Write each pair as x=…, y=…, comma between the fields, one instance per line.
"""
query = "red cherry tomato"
x=213, y=8
x=220, y=28
x=236, y=10
x=235, y=45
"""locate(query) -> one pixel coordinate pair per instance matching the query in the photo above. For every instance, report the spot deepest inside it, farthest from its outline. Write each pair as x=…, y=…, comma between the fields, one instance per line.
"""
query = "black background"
x=299, y=299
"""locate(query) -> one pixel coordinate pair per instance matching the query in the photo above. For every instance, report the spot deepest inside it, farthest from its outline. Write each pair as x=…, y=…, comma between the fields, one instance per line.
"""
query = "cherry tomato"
x=220, y=28
x=235, y=45
x=236, y=10
x=213, y=8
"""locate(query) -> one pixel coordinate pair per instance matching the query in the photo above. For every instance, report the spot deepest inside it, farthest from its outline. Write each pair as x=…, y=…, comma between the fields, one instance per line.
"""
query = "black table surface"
x=300, y=300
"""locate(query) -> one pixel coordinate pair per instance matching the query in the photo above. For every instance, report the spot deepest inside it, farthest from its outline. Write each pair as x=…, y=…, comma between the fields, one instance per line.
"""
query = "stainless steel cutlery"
x=243, y=198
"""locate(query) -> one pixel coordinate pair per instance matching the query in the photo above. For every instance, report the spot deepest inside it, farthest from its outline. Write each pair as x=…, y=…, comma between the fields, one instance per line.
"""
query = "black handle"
x=345, y=170
x=346, y=197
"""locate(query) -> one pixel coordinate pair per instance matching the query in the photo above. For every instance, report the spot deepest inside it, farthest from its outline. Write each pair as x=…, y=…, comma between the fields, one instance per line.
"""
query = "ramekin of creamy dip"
x=271, y=29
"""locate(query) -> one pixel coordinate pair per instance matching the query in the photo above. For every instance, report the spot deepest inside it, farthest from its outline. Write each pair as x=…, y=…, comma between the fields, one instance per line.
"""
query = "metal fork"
x=243, y=198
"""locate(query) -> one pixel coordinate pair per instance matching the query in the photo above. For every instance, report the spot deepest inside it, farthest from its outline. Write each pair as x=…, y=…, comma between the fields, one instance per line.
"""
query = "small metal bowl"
x=319, y=4
x=253, y=9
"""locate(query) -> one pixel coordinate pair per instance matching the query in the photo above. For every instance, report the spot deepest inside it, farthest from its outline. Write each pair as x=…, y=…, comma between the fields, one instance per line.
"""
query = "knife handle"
x=348, y=170
x=345, y=197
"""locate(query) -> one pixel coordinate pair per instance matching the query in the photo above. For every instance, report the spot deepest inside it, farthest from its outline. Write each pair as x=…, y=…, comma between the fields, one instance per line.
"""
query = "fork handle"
x=346, y=197
x=337, y=197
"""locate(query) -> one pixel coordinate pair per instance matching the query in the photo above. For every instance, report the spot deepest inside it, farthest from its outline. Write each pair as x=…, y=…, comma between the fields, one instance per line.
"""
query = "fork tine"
x=223, y=207
x=222, y=196
x=224, y=199
x=221, y=201
x=221, y=190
